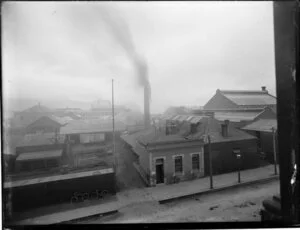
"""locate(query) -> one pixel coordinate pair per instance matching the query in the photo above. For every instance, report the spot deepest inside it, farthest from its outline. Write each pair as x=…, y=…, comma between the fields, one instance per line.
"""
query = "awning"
x=41, y=155
x=262, y=125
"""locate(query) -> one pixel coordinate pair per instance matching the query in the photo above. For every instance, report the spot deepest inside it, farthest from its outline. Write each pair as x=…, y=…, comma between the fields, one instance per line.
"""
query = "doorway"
x=160, y=171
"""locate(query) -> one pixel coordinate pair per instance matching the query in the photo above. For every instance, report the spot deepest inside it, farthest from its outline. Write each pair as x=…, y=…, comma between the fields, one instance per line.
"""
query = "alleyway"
x=127, y=176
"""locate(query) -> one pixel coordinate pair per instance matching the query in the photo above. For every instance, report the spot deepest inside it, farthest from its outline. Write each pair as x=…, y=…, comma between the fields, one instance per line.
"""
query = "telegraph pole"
x=113, y=124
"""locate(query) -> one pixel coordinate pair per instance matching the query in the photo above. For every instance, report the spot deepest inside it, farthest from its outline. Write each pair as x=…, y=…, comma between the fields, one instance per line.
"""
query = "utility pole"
x=210, y=162
x=113, y=125
x=274, y=150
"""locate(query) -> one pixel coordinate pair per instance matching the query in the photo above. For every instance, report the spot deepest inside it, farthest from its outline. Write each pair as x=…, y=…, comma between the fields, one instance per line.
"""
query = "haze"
x=58, y=50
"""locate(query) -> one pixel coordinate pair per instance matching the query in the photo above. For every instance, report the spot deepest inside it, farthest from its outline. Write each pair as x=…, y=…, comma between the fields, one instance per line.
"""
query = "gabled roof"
x=262, y=125
x=249, y=97
x=40, y=155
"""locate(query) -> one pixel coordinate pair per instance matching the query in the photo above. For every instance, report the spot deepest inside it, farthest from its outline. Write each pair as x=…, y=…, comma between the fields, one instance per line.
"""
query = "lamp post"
x=238, y=156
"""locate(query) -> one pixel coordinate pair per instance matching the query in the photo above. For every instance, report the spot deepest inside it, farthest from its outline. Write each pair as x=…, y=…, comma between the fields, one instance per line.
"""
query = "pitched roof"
x=38, y=139
x=262, y=125
x=207, y=126
x=236, y=116
x=91, y=126
x=248, y=97
x=39, y=155
x=61, y=120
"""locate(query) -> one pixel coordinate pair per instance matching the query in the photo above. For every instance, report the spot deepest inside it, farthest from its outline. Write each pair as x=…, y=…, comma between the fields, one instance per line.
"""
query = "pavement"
x=161, y=194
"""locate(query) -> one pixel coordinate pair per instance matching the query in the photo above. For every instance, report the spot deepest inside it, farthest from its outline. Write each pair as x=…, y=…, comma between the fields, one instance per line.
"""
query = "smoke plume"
x=121, y=33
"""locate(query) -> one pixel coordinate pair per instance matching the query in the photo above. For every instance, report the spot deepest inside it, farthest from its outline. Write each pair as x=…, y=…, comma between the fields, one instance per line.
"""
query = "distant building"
x=38, y=152
x=176, y=110
x=177, y=148
x=90, y=141
x=240, y=99
x=48, y=124
x=240, y=107
x=24, y=118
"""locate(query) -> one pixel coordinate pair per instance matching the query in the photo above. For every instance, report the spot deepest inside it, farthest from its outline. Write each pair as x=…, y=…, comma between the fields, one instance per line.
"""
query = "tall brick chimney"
x=147, y=121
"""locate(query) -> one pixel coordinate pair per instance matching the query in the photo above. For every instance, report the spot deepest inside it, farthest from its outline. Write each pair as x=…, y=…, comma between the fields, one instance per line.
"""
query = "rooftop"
x=262, y=125
x=39, y=155
x=52, y=178
x=91, y=126
x=38, y=139
x=249, y=97
x=206, y=126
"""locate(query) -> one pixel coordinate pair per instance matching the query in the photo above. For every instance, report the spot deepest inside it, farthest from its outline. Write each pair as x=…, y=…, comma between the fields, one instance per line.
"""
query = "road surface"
x=239, y=204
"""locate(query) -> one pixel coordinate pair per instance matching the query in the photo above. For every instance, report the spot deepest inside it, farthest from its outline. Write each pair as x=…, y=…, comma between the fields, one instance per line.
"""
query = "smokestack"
x=147, y=119
x=225, y=128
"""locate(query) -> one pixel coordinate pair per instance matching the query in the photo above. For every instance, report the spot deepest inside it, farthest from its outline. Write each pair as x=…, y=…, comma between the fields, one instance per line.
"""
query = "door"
x=159, y=171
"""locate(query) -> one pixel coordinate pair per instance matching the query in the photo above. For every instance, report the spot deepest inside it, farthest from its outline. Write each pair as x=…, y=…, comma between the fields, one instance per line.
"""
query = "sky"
x=69, y=50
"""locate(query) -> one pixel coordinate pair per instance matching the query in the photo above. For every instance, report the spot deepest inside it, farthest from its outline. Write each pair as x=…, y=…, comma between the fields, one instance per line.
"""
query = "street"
x=240, y=204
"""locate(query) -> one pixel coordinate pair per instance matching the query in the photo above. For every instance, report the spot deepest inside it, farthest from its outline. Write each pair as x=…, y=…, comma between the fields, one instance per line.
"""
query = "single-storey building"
x=38, y=152
x=179, y=150
x=266, y=132
x=89, y=142
x=47, y=124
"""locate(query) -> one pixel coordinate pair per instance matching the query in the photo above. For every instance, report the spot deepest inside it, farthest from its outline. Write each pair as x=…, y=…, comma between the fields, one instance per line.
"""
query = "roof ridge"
x=244, y=91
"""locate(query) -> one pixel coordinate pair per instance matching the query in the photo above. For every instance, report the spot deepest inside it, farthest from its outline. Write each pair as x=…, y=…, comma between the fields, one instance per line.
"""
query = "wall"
x=37, y=195
x=169, y=164
x=144, y=157
x=224, y=161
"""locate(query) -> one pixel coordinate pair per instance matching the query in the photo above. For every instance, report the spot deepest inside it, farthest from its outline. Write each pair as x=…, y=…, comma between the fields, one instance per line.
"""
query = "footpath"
x=161, y=194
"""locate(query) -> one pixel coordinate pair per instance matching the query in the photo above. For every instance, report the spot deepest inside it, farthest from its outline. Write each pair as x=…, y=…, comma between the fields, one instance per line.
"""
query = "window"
x=178, y=164
x=195, y=161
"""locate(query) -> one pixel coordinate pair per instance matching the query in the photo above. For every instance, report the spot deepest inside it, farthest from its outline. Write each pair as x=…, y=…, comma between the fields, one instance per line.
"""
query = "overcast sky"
x=67, y=50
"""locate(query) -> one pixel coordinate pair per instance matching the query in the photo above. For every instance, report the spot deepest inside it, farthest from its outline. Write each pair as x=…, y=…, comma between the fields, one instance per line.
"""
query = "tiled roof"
x=263, y=125
x=91, y=126
x=248, y=98
x=39, y=155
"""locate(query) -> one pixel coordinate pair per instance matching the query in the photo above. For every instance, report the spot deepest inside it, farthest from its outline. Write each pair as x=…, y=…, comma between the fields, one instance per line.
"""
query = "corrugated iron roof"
x=262, y=125
x=236, y=116
x=68, y=176
x=39, y=155
x=91, y=126
x=244, y=98
x=39, y=139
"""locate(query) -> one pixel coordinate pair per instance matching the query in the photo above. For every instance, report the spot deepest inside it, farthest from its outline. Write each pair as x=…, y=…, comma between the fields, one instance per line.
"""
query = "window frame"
x=182, y=167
